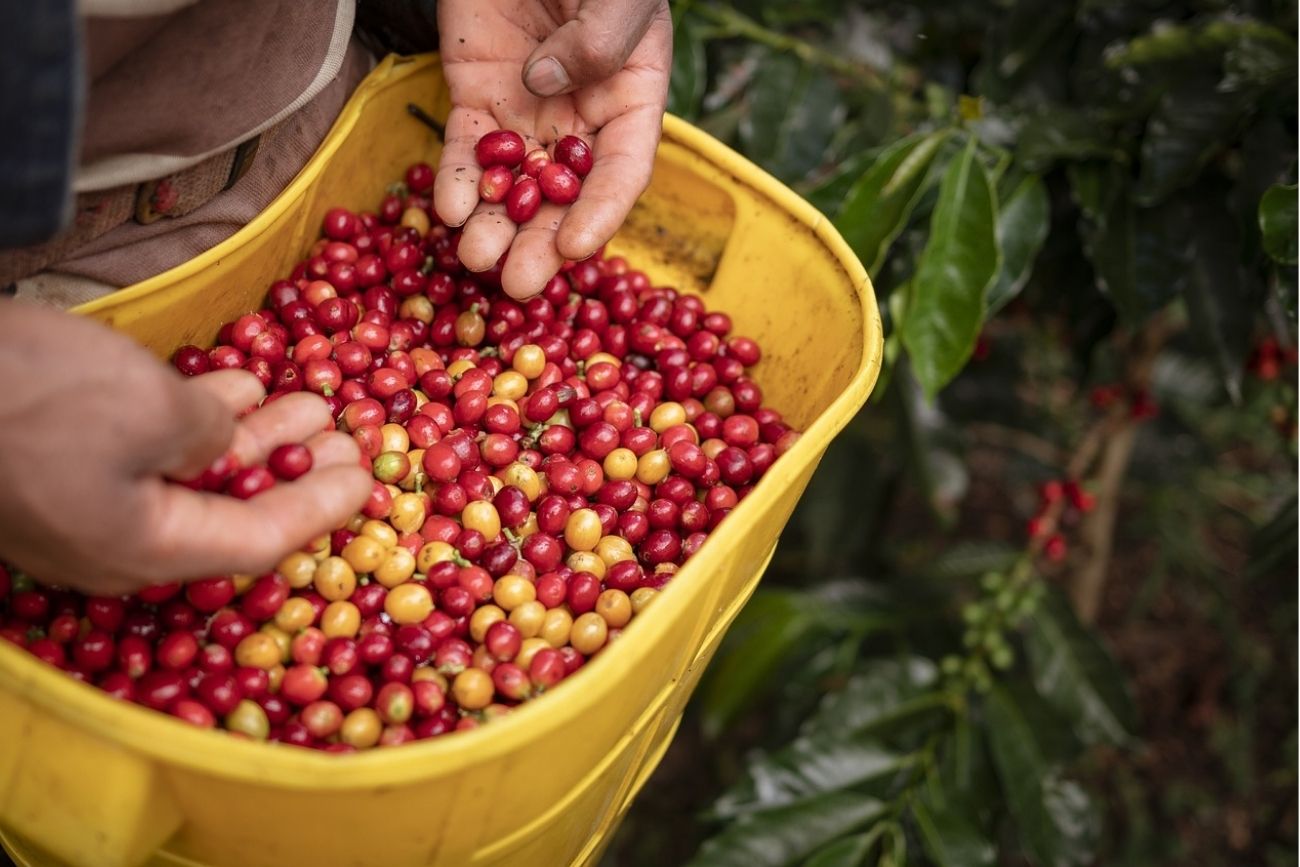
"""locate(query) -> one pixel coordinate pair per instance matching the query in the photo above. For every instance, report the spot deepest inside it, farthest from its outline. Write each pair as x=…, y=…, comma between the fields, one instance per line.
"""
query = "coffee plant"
x=1079, y=217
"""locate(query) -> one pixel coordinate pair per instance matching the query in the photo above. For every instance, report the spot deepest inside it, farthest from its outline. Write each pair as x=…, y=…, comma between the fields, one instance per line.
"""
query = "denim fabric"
x=40, y=107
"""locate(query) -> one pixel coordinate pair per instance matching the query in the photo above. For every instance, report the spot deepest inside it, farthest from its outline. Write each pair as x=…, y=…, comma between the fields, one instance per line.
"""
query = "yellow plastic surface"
x=87, y=780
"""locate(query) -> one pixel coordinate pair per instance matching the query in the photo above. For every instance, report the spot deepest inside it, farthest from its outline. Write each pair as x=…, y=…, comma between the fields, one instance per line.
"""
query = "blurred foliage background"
x=1038, y=606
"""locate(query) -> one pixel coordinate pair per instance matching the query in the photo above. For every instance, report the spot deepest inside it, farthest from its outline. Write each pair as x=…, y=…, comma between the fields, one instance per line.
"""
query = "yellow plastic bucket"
x=87, y=780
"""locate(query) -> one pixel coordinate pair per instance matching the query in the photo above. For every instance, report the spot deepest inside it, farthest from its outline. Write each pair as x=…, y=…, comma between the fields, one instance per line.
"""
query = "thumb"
x=590, y=48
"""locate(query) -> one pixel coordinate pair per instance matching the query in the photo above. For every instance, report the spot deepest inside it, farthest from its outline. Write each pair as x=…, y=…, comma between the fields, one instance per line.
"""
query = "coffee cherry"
x=500, y=147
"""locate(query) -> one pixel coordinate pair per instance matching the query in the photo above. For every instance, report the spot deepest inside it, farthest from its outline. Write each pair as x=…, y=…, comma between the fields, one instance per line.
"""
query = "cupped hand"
x=545, y=69
x=91, y=429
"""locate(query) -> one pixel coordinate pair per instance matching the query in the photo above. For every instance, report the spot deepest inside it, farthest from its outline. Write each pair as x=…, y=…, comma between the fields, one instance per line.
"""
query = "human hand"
x=600, y=72
x=92, y=427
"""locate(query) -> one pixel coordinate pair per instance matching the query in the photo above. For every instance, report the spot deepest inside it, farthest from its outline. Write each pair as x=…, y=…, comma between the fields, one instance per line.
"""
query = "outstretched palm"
x=608, y=62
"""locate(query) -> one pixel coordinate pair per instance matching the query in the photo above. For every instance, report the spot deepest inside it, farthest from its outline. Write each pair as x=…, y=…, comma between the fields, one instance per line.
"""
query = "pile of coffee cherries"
x=541, y=471
x=502, y=153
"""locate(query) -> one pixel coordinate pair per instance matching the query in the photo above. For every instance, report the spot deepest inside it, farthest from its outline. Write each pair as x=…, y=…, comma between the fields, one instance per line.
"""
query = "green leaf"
x=777, y=838
x=1061, y=134
x=770, y=628
x=951, y=836
x=1277, y=223
x=1140, y=256
x=805, y=768
x=1023, y=221
x=689, y=72
x=969, y=559
x=1273, y=546
x=946, y=307
x=1075, y=674
x=1221, y=302
x=829, y=193
x=877, y=207
x=1074, y=814
x=882, y=692
x=1024, y=777
x=794, y=110
x=1192, y=122
x=845, y=852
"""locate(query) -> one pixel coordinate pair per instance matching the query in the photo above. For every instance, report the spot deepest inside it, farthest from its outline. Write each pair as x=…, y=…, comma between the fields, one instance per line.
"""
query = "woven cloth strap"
x=100, y=212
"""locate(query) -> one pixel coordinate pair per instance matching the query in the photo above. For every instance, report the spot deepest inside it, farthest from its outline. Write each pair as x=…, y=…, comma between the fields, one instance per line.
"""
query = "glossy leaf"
x=951, y=836
x=882, y=692
x=1192, y=122
x=1221, y=302
x=1076, y=675
x=805, y=768
x=946, y=307
x=689, y=72
x=785, y=836
x=1023, y=221
x=768, y=630
x=878, y=205
x=1061, y=134
x=1277, y=223
x=845, y=852
x=829, y=193
x=794, y=110
x=1024, y=776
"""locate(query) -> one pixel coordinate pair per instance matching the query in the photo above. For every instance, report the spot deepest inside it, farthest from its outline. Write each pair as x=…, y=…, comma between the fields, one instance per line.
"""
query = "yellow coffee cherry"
x=511, y=591
x=665, y=415
x=614, y=549
x=483, y=618
x=509, y=384
x=257, y=650
x=283, y=640
x=615, y=608
x=586, y=561
x=458, y=367
x=642, y=597
x=361, y=728
x=555, y=627
x=340, y=619
x=528, y=649
x=296, y=613
x=605, y=357
x=297, y=568
x=432, y=554
x=393, y=438
x=334, y=579
x=364, y=553
x=473, y=689
x=589, y=633
x=527, y=617
x=529, y=360
x=582, y=531
x=397, y=568
x=524, y=478
x=481, y=515
x=380, y=531
x=408, y=603
x=653, y=467
x=620, y=464
x=408, y=513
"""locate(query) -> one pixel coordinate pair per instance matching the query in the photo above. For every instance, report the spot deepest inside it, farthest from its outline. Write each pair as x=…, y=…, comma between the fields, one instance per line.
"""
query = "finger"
x=533, y=259
x=333, y=449
x=204, y=423
x=625, y=153
x=455, y=187
x=590, y=48
x=236, y=389
x=196, y=534
x=291, y=419
x=487, y=236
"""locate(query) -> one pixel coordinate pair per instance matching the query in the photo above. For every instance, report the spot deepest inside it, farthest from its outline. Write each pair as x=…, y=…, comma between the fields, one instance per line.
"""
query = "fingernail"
x=546, y=77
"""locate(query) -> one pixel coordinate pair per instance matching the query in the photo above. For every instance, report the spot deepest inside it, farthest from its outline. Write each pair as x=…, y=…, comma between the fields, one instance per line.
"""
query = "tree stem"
x=739, y=25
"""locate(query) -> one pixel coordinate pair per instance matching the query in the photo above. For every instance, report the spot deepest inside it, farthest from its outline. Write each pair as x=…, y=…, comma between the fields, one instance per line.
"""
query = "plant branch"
x=738, y=25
